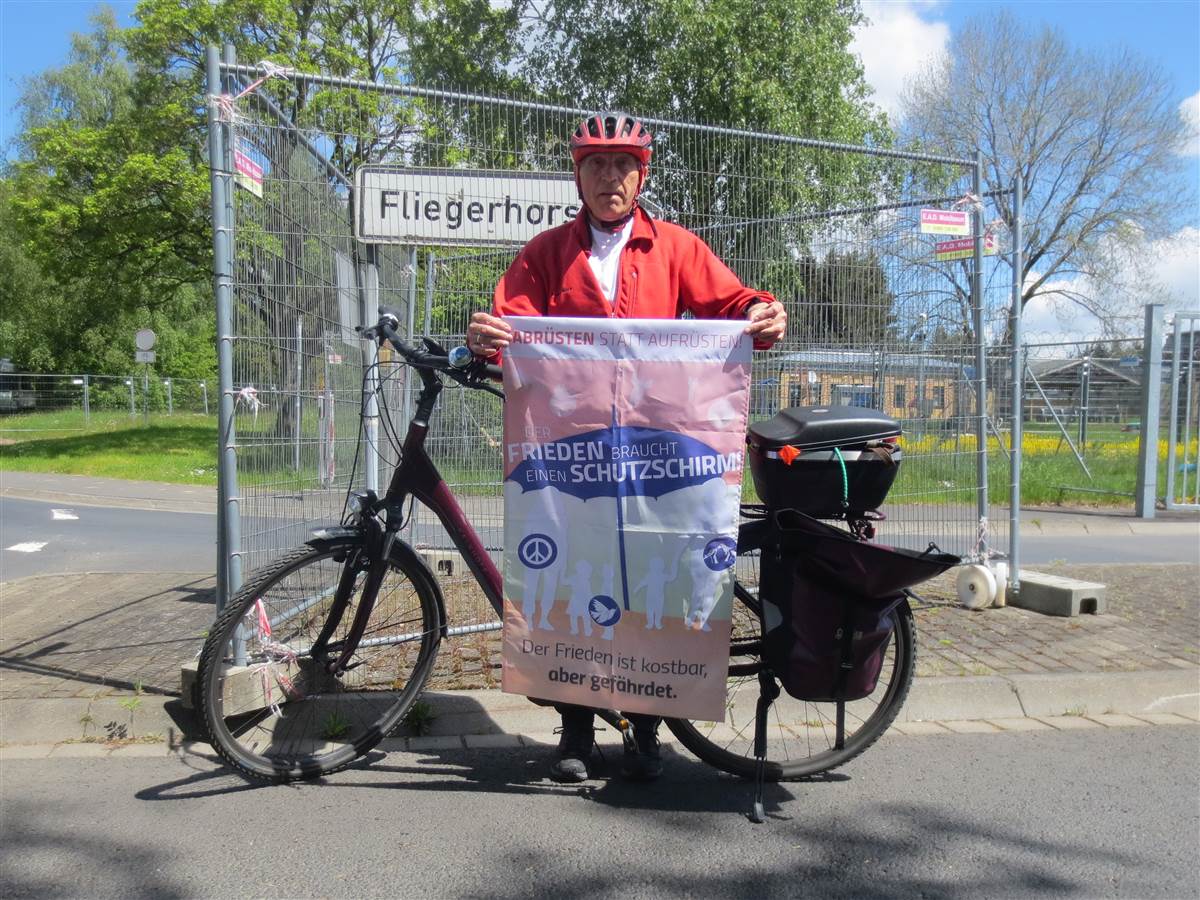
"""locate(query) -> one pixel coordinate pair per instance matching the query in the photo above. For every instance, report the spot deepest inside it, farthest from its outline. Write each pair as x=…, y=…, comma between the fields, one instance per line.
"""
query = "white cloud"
x=1052, y=319
x=1172, y=264
x=1189, y=111
x=1176, y=264
x=895, y=44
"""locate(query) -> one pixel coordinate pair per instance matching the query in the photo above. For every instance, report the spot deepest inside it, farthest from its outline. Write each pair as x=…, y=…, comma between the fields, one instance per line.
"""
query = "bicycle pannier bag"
x=827, y=603
x=826, y=461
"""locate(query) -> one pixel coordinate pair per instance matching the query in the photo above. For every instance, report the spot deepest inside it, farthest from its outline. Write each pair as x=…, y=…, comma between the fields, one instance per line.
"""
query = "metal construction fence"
x=876, y=317
x=1181, y=372
x=44, y=403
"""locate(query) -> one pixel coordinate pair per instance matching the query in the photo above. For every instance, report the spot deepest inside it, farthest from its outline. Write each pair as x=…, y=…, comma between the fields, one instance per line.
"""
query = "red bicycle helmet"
x=611, y=133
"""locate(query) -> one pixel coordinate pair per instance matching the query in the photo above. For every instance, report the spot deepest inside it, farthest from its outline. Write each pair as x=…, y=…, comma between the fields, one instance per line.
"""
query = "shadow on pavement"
x=64, y=635
x=821, y=840
x=45, y=858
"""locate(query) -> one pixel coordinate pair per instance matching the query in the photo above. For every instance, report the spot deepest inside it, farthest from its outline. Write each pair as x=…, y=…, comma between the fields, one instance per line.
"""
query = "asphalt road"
x=1097, y=813
x=1110, y=548
x=56, y=538
x=103, y=539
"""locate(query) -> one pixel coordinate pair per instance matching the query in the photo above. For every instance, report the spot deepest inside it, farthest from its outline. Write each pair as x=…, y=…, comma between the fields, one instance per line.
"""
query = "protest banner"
x=624, y=444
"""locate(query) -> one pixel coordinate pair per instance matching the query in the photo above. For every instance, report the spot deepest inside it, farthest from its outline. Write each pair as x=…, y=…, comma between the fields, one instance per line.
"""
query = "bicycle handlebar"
x=472, y=372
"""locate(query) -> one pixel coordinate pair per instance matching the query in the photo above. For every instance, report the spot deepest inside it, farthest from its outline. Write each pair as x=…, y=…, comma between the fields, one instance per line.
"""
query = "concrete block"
x=1164, y=719
x=25, y=751
x=187, y=683
x=1020, y=724
x=539, y=740
x=947, y=698
x=81, y=750
x=1167, y=691
x=52, y=720
x=138, y=751
x=918, y=729
x=427, y=743
x=244, y=686
x=491, y=741
x=443, y=563
x=1055, y=595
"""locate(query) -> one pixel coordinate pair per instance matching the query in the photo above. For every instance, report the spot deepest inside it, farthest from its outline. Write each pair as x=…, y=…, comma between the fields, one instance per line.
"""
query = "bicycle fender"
x=325, y=533
x=407, y=554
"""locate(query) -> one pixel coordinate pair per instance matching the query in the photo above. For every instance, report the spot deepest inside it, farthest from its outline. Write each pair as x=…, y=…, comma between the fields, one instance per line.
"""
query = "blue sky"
x=35, y=35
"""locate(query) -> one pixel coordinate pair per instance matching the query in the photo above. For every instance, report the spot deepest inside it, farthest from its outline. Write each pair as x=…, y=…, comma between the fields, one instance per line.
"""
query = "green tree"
x=780, y=67
x=28, y=302
x=844, y=300
x=103, y=199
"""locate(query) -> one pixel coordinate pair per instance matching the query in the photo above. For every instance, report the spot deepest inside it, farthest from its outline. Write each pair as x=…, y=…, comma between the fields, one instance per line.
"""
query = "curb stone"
x=489, y=713
x=900, y=730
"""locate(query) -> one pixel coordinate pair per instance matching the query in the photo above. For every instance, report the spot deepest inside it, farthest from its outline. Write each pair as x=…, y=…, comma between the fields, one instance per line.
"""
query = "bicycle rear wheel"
x=801, y=734
x=271, y=710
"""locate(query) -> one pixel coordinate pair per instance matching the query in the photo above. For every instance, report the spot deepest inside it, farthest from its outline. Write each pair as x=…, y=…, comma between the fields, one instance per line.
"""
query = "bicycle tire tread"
x=290, y=562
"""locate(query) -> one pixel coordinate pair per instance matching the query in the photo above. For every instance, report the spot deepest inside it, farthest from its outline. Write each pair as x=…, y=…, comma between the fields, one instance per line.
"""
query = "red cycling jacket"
x=664, y=270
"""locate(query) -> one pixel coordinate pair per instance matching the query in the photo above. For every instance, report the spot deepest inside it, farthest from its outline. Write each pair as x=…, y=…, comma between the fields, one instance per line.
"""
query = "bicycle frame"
x=367, y=546
x=418, y=476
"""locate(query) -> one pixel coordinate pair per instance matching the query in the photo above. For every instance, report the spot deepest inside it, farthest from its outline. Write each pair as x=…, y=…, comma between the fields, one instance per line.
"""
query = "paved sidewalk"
x=77, y=650
x=98, y=654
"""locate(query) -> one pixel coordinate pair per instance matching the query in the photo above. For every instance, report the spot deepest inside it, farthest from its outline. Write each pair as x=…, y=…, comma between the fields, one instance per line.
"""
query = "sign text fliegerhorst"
x=396, y=205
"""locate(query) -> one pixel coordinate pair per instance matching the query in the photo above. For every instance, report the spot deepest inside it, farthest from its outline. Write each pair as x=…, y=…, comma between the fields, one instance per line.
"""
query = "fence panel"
x=1181, y=369
x=1081, y=422
x=833, y=231
x=52, y=404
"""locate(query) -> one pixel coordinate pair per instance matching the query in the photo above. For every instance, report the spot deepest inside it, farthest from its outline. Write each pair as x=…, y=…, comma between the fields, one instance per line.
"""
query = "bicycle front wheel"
x=271, y=709
x=801, y=735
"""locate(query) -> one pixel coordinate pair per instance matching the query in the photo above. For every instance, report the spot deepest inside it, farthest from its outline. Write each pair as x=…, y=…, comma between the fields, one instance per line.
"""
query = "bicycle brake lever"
x=433, y=346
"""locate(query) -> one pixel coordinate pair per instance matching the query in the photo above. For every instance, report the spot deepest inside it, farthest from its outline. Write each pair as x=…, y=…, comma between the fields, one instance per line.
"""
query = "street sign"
x=144, y=356
x=145, y=339
x=963, y=248
x=247, y=173
x=945, y=221
x=399, y=205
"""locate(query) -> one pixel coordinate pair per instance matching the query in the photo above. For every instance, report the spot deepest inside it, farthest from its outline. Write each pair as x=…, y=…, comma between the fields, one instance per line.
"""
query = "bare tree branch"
x=1095, y=137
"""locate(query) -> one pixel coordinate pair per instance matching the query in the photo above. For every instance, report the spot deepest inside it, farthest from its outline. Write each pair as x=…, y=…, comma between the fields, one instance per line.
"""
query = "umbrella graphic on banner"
x=618, y=462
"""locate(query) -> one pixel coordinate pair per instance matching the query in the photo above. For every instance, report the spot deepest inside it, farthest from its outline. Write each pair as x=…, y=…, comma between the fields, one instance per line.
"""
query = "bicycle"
x=319, y=655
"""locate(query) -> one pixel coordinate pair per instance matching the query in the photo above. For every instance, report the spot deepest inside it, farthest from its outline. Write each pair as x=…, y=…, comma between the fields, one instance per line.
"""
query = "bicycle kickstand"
x=768, y=690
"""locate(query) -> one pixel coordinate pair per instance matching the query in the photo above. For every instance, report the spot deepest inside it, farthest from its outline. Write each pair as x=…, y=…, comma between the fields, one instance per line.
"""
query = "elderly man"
x=613, y=260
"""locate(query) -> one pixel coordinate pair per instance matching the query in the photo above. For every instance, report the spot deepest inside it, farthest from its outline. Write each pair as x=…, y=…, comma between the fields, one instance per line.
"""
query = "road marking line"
x=29, y=546
x=63, y=514
x=1163, y=701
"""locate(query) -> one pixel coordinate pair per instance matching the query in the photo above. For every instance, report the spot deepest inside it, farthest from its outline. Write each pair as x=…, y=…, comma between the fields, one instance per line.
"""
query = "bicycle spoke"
x=293, y=719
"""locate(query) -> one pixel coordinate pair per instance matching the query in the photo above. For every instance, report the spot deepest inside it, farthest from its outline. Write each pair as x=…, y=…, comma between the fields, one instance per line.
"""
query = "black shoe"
x=578, y=736
x=644, y=761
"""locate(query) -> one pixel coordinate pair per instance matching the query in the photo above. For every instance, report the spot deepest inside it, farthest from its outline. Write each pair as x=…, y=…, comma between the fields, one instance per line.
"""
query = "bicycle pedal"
x=625, y=727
